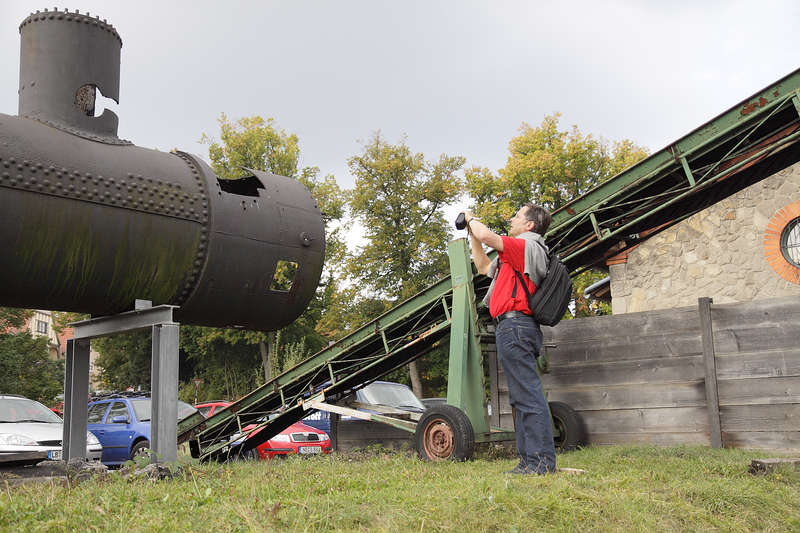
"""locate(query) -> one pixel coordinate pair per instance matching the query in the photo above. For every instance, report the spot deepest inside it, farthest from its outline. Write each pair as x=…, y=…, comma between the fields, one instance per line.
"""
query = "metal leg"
x=164, y=375
x=76, y=396
x=67, y=397
x=465, y=370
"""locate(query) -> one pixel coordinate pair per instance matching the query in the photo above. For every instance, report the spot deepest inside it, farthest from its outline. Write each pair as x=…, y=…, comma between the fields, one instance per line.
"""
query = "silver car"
x=30, y=432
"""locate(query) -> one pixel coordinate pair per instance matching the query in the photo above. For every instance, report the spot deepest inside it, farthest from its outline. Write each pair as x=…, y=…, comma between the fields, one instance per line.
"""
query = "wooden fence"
x=650, y=377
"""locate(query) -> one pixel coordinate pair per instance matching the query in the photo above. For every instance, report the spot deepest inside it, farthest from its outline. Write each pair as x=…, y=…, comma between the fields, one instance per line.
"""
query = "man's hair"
x=539, y=216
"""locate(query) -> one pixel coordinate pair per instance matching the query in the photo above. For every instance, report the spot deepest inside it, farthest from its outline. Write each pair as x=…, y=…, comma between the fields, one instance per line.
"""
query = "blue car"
x=122, y=425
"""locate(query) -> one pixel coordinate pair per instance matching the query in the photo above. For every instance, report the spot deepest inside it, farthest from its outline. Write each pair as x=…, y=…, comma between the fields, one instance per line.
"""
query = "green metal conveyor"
x=743, y=145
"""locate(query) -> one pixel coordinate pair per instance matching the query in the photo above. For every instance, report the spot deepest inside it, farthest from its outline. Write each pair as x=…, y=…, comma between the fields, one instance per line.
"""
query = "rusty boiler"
x=90, y=222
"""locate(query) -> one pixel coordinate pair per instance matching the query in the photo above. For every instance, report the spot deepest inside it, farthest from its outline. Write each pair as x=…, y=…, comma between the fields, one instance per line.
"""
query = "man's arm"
x=479, y=233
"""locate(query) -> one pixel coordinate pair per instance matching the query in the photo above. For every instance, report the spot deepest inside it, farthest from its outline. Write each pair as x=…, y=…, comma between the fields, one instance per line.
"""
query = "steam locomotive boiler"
x=89, y=222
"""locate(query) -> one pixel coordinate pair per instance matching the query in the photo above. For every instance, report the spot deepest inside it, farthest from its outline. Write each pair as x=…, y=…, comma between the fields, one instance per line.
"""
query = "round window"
x=790, y=242
x=782, y=243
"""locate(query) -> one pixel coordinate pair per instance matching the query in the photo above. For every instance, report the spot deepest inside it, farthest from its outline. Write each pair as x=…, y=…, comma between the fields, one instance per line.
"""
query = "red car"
x=296, y=439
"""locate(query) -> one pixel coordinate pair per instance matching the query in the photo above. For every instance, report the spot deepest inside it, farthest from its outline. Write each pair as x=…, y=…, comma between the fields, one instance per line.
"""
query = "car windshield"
x=393, y=395
x=25, y=410
x=143, y=408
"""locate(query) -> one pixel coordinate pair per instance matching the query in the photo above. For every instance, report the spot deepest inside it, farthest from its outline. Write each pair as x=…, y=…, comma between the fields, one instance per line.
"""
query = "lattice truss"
x=737, y=149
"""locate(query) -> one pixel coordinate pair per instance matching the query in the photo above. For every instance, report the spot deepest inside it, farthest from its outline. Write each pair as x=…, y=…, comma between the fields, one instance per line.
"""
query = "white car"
x=32, y=432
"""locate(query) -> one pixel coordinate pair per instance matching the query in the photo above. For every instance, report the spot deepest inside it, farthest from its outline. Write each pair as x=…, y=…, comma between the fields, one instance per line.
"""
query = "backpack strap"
x=524, y=286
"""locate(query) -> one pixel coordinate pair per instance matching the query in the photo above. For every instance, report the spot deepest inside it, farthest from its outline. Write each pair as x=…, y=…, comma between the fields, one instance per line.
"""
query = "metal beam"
x=129, y=321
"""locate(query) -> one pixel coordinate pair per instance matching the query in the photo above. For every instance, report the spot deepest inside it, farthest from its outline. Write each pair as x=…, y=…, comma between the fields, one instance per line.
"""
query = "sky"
x=454, y=77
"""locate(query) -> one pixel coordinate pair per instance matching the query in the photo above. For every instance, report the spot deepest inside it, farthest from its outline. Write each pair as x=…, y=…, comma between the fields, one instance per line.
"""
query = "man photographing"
x=522, y=258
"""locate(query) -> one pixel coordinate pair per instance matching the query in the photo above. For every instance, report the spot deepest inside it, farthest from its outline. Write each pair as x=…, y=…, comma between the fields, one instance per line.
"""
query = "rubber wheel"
x=140, y=449
x=570, y=426
x=444, y=433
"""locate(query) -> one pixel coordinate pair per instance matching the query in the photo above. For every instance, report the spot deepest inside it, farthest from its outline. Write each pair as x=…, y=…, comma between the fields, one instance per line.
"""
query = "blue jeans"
x=519, y=340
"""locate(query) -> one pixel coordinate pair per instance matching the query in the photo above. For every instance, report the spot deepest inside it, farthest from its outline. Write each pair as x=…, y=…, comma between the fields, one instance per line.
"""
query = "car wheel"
x=568, y=424
x=444, y=433
x=140, y=449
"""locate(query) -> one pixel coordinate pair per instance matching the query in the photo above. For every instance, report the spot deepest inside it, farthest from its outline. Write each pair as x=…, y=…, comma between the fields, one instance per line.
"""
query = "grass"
x=625, y=489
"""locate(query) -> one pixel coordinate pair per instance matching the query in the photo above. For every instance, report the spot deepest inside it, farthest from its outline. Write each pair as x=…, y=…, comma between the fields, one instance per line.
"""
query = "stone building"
x=743, y=248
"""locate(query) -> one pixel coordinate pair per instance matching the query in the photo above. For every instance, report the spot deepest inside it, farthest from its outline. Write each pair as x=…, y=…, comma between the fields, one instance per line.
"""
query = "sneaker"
x=519, y=469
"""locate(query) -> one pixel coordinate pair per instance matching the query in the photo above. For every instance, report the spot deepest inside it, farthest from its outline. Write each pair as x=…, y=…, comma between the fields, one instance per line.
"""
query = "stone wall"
x=718, y=252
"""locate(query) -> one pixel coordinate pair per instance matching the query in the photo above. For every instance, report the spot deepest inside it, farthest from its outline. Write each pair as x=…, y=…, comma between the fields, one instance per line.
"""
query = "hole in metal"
x=91, y=102
x=247, y=186
x=285, y=272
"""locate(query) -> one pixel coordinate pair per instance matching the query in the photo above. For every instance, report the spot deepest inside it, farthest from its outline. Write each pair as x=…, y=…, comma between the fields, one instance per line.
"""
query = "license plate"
x=54, y=455
x=310, y=449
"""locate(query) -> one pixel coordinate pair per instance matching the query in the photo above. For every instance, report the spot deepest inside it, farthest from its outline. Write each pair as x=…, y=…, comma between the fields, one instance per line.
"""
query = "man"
x=518, y=336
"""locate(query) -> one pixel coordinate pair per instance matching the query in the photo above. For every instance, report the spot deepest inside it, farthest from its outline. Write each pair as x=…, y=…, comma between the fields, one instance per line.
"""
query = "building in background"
x=743, y=248
x=41, y=325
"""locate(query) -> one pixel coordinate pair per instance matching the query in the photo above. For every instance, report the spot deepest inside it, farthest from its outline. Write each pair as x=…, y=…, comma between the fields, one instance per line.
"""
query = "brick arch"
x=772, y=243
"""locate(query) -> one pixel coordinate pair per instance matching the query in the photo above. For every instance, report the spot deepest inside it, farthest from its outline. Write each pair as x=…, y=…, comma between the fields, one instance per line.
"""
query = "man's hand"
x=479, y=231
x=481, y=235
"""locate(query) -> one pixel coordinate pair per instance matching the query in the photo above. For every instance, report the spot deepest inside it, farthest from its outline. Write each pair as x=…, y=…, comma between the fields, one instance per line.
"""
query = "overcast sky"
x=455, y=77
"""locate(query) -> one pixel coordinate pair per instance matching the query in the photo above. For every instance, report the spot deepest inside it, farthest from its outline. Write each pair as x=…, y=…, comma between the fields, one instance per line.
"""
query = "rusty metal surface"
x=90, y=223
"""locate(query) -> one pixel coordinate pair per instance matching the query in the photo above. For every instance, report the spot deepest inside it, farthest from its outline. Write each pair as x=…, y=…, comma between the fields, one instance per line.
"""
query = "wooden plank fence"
x=646, y=378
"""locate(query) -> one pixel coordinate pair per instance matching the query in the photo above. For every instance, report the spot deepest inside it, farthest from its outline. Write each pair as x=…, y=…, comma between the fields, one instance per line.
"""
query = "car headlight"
x=324, y=436
x=91, y=440
x=280, y=437
x=15, y=439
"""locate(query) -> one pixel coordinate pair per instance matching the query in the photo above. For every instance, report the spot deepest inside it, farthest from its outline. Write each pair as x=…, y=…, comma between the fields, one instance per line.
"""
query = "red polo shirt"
x=513, y=255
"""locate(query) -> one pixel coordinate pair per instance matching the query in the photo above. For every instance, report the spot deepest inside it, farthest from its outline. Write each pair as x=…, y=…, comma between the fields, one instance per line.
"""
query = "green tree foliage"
x=25, y=367
x=398, y=199
x=12, y=318
x=549, y=166
x=124, y=359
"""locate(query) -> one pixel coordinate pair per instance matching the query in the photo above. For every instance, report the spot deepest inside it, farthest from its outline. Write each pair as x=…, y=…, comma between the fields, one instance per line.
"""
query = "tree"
x=550, y=167
x=124, y=359
x=13, y=318
x=25, y=367
x=398, y=199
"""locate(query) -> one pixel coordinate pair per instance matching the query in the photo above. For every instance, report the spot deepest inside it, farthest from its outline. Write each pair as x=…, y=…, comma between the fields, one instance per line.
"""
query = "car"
x=433, y=402
x=31, y=433
x=378, y=393
x=122, y=425
x=298, y=438
x=209, y=408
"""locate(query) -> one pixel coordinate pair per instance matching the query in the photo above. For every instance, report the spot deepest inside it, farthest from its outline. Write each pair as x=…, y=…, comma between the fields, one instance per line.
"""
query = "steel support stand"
x=164, y=393
x=76, y=396
x=164, y=377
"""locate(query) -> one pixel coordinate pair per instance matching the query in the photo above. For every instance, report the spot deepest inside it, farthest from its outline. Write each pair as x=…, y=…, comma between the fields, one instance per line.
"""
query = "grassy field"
x=625, y=489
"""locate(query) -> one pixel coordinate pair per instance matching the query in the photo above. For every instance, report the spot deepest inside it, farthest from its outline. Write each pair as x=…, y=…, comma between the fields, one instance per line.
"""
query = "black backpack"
x=551, y=299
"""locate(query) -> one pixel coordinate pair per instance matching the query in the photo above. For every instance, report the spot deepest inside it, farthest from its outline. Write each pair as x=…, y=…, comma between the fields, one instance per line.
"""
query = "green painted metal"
x=465, y=372
x=687, y=171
